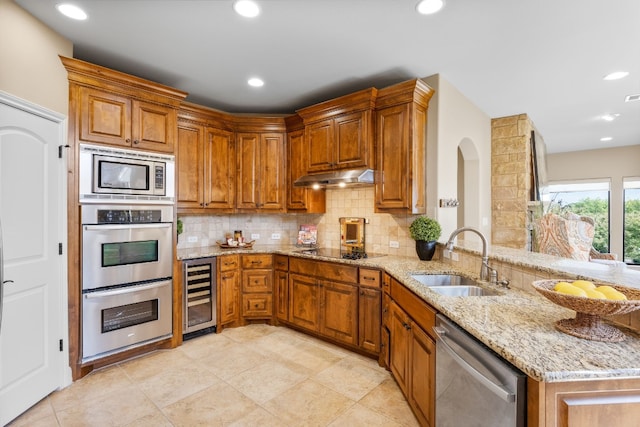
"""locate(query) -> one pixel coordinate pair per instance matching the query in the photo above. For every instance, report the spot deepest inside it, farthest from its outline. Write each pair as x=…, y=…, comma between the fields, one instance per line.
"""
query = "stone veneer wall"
x=349, y=202
x=510, y=180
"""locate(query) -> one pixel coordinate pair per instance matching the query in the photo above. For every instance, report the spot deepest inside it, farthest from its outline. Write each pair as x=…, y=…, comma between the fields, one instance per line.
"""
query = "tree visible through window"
x=584, y=199
x=631, y=251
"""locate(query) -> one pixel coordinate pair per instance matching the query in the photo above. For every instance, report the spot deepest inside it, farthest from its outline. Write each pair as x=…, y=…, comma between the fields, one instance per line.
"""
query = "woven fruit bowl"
x=588, y=322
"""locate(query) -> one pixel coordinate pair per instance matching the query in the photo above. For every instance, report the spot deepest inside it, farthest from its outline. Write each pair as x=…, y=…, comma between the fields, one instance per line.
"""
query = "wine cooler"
x=199, y=311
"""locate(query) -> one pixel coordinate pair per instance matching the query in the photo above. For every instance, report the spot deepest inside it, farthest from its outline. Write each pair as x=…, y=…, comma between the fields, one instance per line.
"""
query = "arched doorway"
x=468, y=184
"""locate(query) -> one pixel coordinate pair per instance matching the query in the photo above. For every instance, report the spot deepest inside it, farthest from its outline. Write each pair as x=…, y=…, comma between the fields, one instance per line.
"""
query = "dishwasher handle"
x=497, y=389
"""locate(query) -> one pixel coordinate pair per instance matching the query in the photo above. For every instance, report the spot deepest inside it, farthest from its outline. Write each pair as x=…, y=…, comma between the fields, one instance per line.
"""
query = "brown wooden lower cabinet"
x=369, y=319
x=339, y=311
x=304, y=297
x=608, y=402
x=228, y=290
x=281, y=290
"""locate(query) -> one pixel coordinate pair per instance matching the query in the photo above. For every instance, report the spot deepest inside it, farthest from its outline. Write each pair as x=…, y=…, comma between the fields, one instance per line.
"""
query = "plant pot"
x=426, y=249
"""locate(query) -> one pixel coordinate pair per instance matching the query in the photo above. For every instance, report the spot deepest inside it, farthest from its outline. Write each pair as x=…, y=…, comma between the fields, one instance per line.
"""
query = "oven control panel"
x=124, y=216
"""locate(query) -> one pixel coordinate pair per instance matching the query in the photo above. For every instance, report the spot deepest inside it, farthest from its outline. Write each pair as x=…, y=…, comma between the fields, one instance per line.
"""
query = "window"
x=585, y=198
x=631, y=249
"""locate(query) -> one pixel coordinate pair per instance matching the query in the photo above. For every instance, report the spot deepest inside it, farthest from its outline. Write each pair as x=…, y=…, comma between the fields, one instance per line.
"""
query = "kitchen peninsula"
x=568, y=376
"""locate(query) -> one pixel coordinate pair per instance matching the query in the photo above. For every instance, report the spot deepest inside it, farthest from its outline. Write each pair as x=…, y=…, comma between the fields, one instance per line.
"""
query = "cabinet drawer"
x=325, y=270
x=257, y=261
x=229, y=262
x=421, y=312
x=257, y=305
x=281, y=262
x=257, y=280
x=368, y=277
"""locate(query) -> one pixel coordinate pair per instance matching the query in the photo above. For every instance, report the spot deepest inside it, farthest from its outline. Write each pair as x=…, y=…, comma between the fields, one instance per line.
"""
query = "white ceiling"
x=545, y=58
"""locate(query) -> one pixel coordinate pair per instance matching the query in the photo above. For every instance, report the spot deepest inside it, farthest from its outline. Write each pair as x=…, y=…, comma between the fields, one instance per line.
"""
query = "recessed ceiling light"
x=606, y=139
x=255, y=82
x=616, y=75
x=427, y=7
x=610, y=117
x=246, y=8
x=71, y=11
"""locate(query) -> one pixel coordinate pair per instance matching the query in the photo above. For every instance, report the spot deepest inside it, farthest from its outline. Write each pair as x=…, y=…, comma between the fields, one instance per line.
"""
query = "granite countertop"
x=518, y=325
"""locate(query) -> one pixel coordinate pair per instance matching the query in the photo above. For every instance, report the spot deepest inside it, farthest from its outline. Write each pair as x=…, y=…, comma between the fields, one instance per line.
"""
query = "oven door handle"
x=504, y=394
x=127, y=290
x=103, y=227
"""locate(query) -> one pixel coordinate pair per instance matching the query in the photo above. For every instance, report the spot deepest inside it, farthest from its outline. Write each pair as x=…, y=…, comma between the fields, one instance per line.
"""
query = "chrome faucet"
x=484, y=269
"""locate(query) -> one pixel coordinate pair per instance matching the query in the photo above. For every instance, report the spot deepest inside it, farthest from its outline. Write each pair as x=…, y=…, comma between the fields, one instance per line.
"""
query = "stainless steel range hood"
x=338, y=179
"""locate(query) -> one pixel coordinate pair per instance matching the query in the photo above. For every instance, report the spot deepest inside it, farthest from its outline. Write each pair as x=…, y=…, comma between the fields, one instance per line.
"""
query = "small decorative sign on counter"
x=308, y=235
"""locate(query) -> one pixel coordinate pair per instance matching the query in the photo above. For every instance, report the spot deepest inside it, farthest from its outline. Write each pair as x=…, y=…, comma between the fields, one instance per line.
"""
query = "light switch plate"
x=394, y=244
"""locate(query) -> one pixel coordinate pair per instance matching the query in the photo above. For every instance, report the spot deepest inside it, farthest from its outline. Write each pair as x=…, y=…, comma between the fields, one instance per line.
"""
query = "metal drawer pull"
x=501, y=392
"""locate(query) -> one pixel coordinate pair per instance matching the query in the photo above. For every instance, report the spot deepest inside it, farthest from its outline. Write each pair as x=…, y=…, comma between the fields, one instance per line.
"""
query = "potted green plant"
x=426, y=232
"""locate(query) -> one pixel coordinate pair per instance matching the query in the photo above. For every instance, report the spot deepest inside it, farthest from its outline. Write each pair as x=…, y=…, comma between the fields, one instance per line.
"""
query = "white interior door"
x=32, y=203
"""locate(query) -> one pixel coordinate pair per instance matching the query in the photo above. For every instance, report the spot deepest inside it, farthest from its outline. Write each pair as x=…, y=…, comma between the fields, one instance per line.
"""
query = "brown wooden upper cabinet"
x=300, y=199
x=401, y=125
x=339, y=132
x=260, y=171
x=206, y=162
x=120, y=109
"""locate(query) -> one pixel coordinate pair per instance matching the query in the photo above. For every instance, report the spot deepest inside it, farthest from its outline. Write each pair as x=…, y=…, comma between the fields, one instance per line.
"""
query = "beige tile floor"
x=256, y=375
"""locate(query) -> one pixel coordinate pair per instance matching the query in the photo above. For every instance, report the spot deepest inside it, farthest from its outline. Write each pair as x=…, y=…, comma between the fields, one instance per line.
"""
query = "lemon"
x=593, y=293
x=569, y=289
x=561, y=285
x=611, y=293
x=584, y=284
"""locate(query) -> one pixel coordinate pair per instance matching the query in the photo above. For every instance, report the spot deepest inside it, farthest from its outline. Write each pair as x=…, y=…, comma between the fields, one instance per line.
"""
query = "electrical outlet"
x=192, y=239
x=275, y=236
x=394, y=244
x=446, y=253
x=455, y=256
x=255, y=236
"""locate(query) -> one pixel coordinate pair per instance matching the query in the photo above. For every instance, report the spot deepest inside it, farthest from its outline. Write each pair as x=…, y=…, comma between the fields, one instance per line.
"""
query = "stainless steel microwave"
x=118, y=175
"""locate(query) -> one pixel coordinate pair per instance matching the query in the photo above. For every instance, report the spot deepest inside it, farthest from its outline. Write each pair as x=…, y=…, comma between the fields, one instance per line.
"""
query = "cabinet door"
x=153, y=126
x=339, y=311
x=301, y=198
x=271, y=173
x=219, y=169
x=422, y=376
x=400, y=340
x=320, y=145
x=303, y=302
x=392, y=144
x=104, y=117
x=190, y=166
x=369, y=319
x=229, y=293
x=351, y=141
x=282, y=295
x=248, y=156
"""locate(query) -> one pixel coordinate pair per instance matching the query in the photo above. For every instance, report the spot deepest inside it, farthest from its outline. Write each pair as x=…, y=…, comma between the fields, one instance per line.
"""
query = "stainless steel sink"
x=453, y=285
x=463, y=291
x=443, y=280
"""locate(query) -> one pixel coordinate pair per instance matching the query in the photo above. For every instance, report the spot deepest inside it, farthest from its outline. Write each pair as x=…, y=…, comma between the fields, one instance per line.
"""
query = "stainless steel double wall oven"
x=127, y=249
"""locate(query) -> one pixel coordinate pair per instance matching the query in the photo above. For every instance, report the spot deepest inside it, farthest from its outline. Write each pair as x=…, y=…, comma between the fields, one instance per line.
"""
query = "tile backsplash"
x=381, y=229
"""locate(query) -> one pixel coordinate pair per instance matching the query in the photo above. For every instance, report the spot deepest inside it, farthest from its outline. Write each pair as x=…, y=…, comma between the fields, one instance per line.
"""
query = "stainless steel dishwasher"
x=474, y=386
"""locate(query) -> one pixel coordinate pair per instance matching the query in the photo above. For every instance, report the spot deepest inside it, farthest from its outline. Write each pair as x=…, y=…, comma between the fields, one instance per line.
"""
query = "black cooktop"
x=337, y=253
